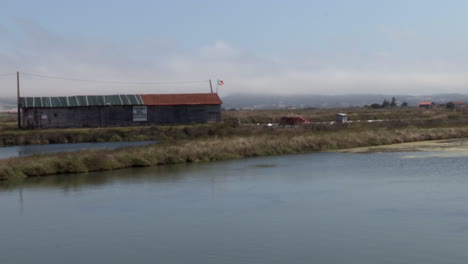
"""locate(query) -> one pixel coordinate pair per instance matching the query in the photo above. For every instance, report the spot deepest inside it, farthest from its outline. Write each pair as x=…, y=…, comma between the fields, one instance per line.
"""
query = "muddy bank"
x=448, y=147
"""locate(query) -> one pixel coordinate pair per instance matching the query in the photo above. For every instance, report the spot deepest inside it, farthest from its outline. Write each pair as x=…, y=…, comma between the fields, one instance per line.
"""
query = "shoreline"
x=443, y=145
x=218, y=148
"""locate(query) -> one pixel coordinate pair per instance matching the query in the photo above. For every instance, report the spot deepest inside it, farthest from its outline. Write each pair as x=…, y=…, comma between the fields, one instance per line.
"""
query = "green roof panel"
x=59, y=102
x=95, y=100
x=80, y=101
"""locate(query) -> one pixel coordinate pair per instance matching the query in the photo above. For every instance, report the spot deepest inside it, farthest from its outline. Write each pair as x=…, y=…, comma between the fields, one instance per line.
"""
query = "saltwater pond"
x=28, y=150
x=392, y=207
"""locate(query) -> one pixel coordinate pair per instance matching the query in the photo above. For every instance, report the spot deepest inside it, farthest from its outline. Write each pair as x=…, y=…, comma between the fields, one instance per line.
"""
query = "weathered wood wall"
x=103, y=116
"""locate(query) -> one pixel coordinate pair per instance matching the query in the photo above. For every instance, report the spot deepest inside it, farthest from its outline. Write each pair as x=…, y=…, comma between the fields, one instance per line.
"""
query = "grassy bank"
x=220, y=148
x=354, y=113
x=194, y=132
x=11, y=135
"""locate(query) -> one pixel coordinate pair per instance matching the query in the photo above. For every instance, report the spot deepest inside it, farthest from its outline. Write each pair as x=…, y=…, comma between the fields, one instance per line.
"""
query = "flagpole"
x=217, y=84
x=18, y=99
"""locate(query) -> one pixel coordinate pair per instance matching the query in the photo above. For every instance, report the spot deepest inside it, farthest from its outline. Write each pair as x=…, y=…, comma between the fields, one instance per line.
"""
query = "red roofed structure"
x=427, y=105
x=181, y=99
x=455, y=105
x=119, y=110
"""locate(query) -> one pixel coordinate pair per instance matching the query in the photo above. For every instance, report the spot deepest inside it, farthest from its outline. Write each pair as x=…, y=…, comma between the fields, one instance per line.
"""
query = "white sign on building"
x=140, y=113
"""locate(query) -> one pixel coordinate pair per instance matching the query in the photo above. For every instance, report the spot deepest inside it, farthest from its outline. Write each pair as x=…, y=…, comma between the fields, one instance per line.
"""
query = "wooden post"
x=18, y=99
x=211, y=87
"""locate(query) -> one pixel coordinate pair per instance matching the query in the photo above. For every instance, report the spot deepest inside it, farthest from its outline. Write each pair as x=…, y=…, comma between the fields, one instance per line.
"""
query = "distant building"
x=119, y=110
x=455, y=105
x=427, y=105
x=341, y=118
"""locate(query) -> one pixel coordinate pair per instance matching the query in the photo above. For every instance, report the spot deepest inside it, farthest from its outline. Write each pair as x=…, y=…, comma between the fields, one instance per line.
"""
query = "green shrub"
x=115, y=138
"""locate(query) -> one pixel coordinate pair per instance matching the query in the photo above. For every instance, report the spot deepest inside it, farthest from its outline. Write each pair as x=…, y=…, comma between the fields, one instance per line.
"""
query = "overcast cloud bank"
x=28, y=47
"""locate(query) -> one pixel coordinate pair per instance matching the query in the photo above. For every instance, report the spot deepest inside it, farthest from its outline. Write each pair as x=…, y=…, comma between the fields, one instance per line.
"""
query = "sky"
x=258, y=46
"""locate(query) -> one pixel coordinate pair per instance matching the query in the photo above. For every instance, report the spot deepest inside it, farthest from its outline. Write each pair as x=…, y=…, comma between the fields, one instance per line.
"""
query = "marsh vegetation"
x=229, y=140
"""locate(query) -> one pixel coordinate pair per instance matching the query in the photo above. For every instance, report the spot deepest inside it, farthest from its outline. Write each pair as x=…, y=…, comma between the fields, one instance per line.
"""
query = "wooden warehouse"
x=119, y=110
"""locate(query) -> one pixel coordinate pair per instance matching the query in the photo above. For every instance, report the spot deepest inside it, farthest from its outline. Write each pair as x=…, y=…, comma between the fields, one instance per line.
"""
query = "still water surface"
x=313, y=208
x=28, y=150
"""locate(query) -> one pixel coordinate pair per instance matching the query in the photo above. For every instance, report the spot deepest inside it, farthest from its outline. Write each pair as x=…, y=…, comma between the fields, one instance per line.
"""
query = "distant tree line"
x=386, y=104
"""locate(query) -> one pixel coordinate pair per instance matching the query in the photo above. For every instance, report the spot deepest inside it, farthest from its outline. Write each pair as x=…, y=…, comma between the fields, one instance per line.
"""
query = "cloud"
x=31, y=48
x=219, y=50
x=397, y=33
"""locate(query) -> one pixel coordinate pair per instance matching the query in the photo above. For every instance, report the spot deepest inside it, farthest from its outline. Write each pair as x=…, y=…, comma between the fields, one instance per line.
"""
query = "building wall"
x=455, y=106
x=103, y=116
x=426, y=106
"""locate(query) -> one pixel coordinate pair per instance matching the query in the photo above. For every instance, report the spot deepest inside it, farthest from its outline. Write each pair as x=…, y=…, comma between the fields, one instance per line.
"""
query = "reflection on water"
x=75, y=182
x=314, y=208
x=22, y=151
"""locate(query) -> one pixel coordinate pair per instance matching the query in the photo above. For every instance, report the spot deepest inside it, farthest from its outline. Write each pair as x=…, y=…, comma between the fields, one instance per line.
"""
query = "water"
x=314, y=208
x=22, y=151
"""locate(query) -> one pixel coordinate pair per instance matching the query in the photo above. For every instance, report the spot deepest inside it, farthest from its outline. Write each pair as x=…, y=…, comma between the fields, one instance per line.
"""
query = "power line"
x=111, y=82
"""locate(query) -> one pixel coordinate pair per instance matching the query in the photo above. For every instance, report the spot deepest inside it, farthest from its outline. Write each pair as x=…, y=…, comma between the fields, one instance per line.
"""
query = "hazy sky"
x=295, y=46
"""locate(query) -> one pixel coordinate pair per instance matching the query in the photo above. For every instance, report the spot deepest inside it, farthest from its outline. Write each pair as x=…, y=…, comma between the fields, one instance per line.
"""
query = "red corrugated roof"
x=457, y=103
x=425, y=103
x=181, y=99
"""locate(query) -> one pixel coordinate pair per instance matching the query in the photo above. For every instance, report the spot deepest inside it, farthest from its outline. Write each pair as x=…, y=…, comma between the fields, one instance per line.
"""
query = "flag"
x=220, y=82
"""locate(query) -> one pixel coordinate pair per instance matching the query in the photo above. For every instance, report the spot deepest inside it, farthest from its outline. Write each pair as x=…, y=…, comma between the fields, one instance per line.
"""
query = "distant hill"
x=7, y=100
x=7, y=103
x=274, y=101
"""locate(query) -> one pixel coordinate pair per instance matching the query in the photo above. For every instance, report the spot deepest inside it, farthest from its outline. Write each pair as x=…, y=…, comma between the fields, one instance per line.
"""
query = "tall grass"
x=217, y=148
x=354, y=113
x=10, y=135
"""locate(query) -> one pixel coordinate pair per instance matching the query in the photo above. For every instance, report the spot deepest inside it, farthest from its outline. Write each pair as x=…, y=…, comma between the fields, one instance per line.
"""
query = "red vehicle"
x=293, y=121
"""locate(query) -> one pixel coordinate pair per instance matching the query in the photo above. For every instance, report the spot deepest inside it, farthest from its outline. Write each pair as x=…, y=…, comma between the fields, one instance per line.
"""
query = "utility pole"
x=18, y=99
x=211, y=87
